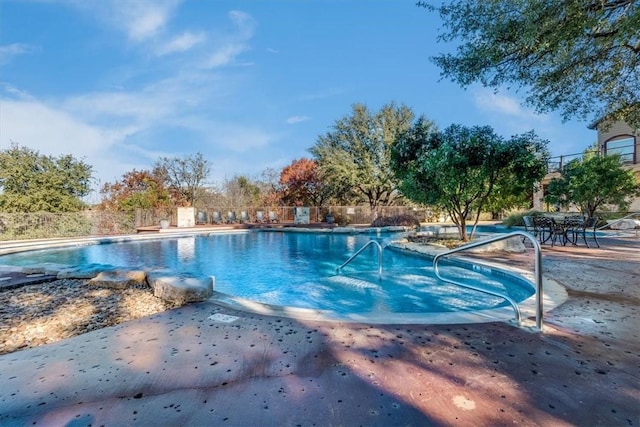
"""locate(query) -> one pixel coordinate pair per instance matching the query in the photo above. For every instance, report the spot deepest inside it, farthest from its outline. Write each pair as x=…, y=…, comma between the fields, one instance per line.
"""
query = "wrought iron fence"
x=40, y=225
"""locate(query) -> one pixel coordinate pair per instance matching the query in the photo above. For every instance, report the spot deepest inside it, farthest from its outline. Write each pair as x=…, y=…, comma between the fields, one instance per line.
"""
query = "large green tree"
x=461, y=169
x=591, y=182
x=581, y=57
x=32, y=182
x=353, y=158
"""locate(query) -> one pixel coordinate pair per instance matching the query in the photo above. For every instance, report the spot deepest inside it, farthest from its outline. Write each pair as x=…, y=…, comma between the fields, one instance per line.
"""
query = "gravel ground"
x=34, y=315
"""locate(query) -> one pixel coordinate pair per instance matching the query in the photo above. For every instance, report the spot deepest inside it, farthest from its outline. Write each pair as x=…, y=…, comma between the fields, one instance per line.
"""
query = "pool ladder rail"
x=537, y=272
x=438, y=257
x=359, y=251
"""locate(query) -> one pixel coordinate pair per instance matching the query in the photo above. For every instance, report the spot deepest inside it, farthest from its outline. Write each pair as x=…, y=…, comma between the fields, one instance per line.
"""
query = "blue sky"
x=249, y=84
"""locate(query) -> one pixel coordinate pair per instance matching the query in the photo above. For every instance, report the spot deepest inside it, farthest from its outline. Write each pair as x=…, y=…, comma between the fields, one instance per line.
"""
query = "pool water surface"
x=299, y=270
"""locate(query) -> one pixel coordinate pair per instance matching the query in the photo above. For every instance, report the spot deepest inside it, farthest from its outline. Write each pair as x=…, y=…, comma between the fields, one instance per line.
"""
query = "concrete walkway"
x=204, y=365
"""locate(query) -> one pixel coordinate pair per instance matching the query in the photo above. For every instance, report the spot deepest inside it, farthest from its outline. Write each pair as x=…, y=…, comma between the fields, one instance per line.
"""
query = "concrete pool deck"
x=204, y=364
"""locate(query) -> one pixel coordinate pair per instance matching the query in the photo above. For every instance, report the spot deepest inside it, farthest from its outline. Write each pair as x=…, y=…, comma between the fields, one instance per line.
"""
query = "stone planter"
x=164, y=223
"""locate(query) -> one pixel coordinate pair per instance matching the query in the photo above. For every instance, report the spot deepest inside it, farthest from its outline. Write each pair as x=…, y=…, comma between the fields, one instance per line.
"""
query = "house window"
x=623, y=146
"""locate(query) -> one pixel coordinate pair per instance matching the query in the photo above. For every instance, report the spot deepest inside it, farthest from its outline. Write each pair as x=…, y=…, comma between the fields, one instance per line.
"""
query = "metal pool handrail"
x=370, y=242
x=609, y=224
x=537, y=272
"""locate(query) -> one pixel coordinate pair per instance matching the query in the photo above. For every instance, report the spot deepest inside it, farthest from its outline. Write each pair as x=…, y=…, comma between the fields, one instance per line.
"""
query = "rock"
x=51, y=268
x=513, y=244
x=119, y=279
x=180, y=288
x=624, y=224
x=83, y=272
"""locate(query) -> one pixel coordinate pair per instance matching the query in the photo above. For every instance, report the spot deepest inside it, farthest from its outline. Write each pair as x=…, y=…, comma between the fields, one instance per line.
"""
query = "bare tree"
x=186, y=175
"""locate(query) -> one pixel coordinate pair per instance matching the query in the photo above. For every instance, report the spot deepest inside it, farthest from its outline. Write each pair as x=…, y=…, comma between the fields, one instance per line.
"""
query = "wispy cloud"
x=224, y=55
x=181, y=43
x=491, y=102
x=120, y=129
x=327, y=93
x=297, y=119
x=232, y=45
x=140, y=20
x=9, y=51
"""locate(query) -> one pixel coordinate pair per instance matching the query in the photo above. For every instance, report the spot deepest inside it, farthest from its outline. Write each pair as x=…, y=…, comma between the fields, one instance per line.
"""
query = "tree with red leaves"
x=301, y=184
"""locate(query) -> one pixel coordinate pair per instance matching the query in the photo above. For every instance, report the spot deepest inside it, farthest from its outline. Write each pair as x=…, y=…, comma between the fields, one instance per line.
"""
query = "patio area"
x=203, y=364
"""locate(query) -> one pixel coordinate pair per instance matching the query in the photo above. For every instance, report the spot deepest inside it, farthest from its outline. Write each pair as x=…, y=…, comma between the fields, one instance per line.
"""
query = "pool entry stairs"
x=438, y=257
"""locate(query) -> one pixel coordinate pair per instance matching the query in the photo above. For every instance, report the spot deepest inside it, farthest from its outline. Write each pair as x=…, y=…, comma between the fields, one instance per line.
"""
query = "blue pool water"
x=299, y=270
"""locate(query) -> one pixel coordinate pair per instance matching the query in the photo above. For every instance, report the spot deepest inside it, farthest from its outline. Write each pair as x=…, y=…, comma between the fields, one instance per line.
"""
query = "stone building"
x=618, y=138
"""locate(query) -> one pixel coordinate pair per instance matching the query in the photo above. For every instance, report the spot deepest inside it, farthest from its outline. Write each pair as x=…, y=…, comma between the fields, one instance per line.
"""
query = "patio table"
x=564, y=228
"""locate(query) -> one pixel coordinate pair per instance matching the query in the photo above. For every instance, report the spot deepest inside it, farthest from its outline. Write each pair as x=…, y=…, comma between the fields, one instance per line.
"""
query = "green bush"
x=405, y=220
x=515, y=219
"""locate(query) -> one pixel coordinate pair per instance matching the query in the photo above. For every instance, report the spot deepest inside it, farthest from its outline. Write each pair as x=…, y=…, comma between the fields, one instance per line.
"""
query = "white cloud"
x=502, y=104
x=181, y=43
x=244, y=22
x=9, y=51
x=224, y=55
x=297, y=119
x=140, y=20
x=235, y=44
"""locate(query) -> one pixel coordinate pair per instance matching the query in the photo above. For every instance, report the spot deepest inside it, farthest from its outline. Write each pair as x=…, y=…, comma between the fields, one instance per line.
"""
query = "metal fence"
x=39, y=225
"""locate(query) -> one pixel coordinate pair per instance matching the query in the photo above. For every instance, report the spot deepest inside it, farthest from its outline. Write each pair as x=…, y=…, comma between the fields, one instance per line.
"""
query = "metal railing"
x=537, y=272
x=609, y=224
x=359, y=251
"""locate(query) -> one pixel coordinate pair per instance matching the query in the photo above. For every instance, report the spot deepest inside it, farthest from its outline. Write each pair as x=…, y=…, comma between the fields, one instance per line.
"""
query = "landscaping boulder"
x=119, y=279
x=83, y=272
x=180, y=288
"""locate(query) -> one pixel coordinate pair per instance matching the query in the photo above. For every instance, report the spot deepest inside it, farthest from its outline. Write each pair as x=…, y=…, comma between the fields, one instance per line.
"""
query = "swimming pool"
x=298, y=270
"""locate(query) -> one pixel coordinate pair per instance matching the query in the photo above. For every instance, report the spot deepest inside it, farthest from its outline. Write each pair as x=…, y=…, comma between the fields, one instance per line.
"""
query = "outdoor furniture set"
x=562, y=229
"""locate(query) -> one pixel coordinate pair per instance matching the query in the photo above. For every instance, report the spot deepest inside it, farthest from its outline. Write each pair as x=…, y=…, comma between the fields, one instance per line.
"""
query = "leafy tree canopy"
x=301, y=184
x=32, y=182
x=581, y=57
x=460, y=169
x=354, y=157
x=137, y=190
x=592, y=182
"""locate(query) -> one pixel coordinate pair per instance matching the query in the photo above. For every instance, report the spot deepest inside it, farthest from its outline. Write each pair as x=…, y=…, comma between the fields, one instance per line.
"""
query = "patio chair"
x=588, y=229
x=544, y=227
x=530, y=226
x=273, y=217
x=558, y=231
x=216, y=217
x=231, y=217
x=573, y=224
x=260, y=217
x=244, y=216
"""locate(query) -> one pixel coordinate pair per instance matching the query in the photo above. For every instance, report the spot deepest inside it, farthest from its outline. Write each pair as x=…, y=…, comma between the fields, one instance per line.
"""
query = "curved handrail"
x=609, y=224
x=537, y=273
x=370, y=242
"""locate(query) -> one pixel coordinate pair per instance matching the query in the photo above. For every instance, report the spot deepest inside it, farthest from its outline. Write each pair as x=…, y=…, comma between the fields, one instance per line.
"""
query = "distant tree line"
x=375, y=158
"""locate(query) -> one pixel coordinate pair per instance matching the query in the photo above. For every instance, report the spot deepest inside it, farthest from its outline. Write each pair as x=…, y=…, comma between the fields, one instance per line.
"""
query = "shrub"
x=406, y=220
x=515, y=219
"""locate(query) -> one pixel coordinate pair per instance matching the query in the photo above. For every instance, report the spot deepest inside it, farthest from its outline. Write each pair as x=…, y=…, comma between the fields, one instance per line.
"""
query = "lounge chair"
x=273, y=217
x=231, y=217
x=216, y=217
x=244, y=216
x=260, y=217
